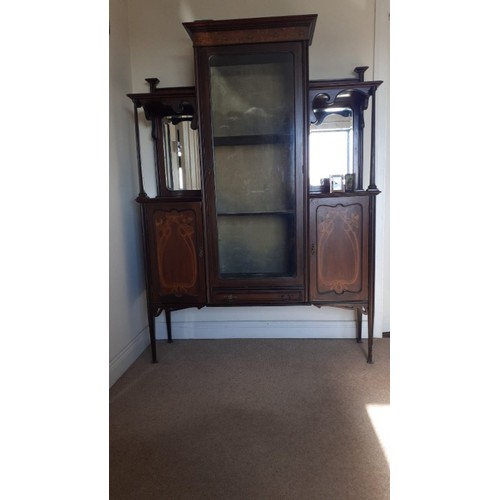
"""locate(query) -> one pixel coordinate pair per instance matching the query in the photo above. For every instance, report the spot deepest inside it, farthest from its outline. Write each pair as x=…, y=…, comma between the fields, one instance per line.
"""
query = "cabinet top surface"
x=251, y=30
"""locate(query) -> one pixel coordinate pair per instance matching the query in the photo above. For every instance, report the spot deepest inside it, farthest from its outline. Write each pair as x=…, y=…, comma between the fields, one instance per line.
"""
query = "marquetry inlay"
x=176, y=251
x=339, y=248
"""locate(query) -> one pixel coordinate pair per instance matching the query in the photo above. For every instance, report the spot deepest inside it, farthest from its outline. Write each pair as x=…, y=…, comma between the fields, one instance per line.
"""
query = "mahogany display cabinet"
x=259, y=171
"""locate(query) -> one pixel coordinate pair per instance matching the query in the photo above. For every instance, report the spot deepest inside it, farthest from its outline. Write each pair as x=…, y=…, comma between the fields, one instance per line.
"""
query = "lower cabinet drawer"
x=258, y=297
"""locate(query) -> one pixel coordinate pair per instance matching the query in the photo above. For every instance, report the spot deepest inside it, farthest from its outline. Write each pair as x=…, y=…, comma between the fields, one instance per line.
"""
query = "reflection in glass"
x=253, y=116
x=331, y=145
x=181, y=155
x=256, y=245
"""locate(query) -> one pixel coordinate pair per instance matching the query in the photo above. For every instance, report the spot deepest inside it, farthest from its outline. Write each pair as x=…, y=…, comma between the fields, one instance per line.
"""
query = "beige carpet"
x=250, y=419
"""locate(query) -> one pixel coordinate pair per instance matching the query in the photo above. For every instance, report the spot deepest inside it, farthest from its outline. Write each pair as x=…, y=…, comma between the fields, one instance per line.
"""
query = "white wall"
x=127, y=302
x=345, y=36
x=381, y=65
x=160, y=46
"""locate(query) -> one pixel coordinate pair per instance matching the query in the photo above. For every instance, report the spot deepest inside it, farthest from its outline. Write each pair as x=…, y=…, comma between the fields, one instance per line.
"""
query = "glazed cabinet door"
x=254, y=177
x=174, y=237
x=339, y=249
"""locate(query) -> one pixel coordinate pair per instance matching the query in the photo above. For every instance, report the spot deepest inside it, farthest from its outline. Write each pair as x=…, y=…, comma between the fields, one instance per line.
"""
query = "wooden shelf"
x=344, y=194
x=252, y=140
x=270, y=212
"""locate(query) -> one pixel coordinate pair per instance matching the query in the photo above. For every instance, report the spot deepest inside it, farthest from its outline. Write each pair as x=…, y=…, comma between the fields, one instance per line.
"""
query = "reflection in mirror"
x=331, y=144
x=182, y=159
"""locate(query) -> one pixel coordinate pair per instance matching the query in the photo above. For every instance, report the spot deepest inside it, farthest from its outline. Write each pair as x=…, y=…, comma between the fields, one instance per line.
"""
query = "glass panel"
x=181, y=153
x=252, y=102
x=257, y=245
x=331, y=145
x=251, y=178
x=252, y=94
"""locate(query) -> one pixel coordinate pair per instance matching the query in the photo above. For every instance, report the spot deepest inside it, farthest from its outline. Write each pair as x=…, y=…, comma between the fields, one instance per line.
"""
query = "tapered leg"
x=152, y=333
x=370, y=334
x=359, y=317
x=169, y=325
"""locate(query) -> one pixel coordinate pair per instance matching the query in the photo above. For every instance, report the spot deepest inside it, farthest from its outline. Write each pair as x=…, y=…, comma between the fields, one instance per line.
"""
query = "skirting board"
x=184, y=330
x=122, y=361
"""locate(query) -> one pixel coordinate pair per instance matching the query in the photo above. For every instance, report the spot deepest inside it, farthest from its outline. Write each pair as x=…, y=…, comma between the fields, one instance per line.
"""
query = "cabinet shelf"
x=252, y=213
x=252, y=140
x=344, y=194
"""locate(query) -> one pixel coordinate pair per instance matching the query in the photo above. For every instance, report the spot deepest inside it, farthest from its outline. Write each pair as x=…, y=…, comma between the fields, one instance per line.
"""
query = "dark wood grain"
x=251, y=31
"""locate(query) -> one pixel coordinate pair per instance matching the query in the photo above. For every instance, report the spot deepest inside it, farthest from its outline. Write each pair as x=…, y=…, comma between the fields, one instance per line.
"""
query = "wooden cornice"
x=208, y=33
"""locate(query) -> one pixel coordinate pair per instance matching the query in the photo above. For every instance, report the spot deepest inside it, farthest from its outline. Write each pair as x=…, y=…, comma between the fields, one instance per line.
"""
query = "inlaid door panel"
x=176, y=253
x=339, y=249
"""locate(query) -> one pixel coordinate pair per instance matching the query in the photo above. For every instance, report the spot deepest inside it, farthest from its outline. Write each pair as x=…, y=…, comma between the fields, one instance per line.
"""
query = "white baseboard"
x=246, y=329
x=122, y=361
x=184, y=330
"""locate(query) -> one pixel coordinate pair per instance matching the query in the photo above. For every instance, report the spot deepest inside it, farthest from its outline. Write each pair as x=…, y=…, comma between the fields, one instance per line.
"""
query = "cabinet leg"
x=370, y=335
x=152, y=333
x=359, y=317
x=169, y=325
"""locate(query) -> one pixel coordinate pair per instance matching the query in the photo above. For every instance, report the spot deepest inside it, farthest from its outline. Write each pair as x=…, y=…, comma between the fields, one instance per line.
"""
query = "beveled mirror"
x=181, y=155
x=331, y=144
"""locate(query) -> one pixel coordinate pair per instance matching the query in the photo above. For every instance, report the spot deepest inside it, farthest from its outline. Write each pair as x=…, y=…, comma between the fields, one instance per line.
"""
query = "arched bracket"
x=336, y=101
x=338, y=90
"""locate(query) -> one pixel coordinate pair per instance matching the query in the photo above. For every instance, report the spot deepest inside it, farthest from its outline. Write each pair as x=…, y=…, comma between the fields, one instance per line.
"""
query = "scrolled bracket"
x=322, y=104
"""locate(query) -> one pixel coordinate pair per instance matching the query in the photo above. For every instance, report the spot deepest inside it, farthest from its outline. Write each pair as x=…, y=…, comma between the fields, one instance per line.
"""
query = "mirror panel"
x=182, y=160
x=331, y=145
